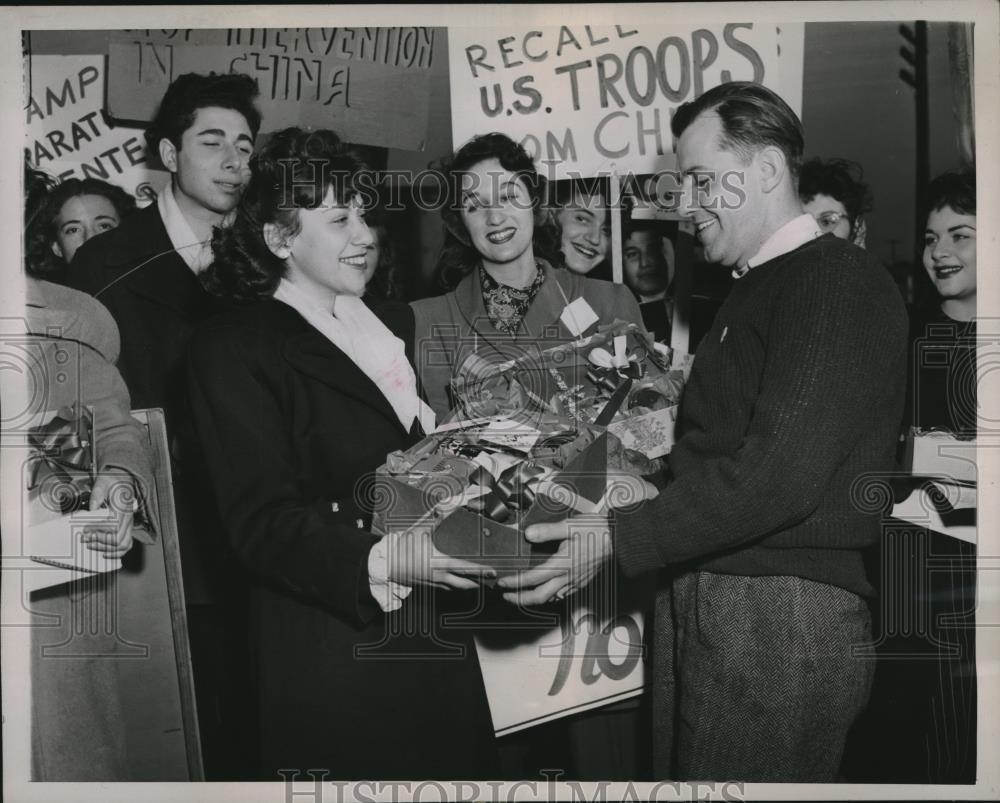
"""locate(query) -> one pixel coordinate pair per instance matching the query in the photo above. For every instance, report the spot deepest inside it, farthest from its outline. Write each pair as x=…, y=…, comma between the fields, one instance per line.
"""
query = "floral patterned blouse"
x=506, y=306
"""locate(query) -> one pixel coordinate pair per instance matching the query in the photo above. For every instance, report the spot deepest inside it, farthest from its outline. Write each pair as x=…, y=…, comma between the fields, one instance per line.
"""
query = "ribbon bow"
x=609, y=378
x=514, y=489
x=63, y=459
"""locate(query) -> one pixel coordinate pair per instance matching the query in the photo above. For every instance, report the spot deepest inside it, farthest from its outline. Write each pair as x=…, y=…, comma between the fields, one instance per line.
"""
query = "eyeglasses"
x=828, y=220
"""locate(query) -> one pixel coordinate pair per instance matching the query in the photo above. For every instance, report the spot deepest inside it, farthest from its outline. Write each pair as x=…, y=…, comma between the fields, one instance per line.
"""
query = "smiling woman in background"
x=298, y=394
x=945, y=385
x=581, y=210
x=499, y=251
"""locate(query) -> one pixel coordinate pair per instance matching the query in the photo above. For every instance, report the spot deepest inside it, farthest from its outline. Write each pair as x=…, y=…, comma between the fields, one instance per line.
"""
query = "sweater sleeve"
x=821, y=381
x=302, y=545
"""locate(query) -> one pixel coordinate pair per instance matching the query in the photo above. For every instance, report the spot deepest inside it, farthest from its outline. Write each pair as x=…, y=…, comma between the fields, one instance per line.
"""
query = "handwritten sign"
x=587, y=656
x=68, y=136
x=581, y=98
x=370, y=85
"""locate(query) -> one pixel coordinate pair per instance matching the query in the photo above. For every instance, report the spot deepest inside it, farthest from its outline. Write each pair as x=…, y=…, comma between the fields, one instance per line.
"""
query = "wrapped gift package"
x=619, y=368
x=59, y=479
x=478, y=487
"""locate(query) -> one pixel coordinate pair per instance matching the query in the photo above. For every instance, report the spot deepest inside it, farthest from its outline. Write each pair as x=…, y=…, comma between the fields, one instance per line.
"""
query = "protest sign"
x=585, y=98
x=69, y=136
x=353, y=80
x=557, y=664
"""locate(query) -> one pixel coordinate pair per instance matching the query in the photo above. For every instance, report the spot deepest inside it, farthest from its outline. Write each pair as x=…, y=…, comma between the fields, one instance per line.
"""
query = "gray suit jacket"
x=452, y=327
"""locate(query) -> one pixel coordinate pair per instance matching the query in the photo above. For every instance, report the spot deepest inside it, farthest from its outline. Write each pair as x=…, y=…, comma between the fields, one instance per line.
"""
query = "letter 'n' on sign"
x=156, y=63
x=138, y=73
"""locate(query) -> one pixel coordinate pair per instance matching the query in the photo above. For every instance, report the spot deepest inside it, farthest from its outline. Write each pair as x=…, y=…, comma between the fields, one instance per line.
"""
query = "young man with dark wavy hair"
x=147, y=273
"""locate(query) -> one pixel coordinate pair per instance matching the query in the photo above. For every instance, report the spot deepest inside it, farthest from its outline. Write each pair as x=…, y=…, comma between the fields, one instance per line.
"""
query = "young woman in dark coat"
x=298, y=395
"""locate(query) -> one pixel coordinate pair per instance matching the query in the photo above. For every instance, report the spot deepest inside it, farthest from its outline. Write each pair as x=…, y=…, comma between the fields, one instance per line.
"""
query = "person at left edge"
x=146, y=272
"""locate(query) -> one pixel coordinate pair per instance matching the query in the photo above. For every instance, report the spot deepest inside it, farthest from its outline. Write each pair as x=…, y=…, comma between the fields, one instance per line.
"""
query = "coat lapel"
x=312, y=354
x=147, y=264
x=543, y=317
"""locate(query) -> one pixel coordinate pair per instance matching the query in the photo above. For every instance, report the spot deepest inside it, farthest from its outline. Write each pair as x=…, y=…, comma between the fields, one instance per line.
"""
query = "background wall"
x=856, y=106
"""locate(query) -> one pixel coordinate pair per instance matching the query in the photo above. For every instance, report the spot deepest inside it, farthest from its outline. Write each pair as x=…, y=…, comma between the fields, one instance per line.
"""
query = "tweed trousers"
x=754, y=678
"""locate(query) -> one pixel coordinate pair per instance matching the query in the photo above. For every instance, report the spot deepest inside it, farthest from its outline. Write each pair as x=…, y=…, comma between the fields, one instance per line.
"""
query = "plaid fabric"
x=754, y=678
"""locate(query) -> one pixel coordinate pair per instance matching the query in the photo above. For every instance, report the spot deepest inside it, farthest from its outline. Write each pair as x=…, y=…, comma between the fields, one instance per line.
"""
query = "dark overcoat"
x=289, y=424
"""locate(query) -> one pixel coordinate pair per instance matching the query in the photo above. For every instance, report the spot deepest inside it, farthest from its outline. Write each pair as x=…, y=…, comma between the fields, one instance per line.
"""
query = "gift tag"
x=578, y=317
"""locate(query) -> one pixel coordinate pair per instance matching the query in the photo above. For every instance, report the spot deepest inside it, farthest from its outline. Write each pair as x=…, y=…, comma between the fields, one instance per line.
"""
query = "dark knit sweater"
x=796, y=395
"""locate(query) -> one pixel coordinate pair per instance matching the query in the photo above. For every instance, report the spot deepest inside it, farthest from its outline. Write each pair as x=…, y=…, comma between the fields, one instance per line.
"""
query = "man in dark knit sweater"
x=791, y=413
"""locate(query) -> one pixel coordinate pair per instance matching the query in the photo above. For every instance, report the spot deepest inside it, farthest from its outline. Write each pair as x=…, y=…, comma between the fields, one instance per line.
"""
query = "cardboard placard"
x=557, y=662
x=588, y=99
x=69, y=136
x=352, y=80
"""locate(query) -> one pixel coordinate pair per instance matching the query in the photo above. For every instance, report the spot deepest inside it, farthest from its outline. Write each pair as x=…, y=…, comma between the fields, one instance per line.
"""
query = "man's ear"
x=168, y=155
x=278, y=243
x=772, y=167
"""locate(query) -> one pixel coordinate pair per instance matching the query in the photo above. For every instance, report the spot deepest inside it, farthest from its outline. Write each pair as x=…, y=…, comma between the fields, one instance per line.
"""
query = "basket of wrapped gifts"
x=618, y=379
x=478, y=483
x=531, y=441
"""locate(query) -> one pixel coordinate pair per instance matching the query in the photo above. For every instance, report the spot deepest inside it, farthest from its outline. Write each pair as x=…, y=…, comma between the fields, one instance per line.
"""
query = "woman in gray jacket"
x=507, y=298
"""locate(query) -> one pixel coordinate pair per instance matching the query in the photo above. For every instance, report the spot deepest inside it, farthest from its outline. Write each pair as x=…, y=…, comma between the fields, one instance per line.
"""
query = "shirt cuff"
x=388, y=593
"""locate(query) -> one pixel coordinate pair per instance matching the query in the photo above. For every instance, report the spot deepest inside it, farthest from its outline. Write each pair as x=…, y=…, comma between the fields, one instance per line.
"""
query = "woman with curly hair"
x=74, y=211
x=835, y=194
x=584, y=218
x=299, y=392
x=500, y=248
x=945, y=326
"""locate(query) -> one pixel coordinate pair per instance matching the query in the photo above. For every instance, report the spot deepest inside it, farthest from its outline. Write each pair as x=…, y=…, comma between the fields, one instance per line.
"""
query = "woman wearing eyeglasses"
x=833, y=192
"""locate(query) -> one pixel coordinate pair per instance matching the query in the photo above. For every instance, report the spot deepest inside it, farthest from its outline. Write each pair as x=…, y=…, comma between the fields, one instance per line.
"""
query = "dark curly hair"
x=458, y=257
x=37, y=185
x=954, y=189
x=384, y=283
x=41, y=232
x=842, y=180
x=190, y=92
x=293, y=171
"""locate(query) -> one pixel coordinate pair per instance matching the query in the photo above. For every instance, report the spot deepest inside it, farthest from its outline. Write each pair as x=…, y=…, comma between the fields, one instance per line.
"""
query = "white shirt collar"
x=196, y=253
x=797, y=231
